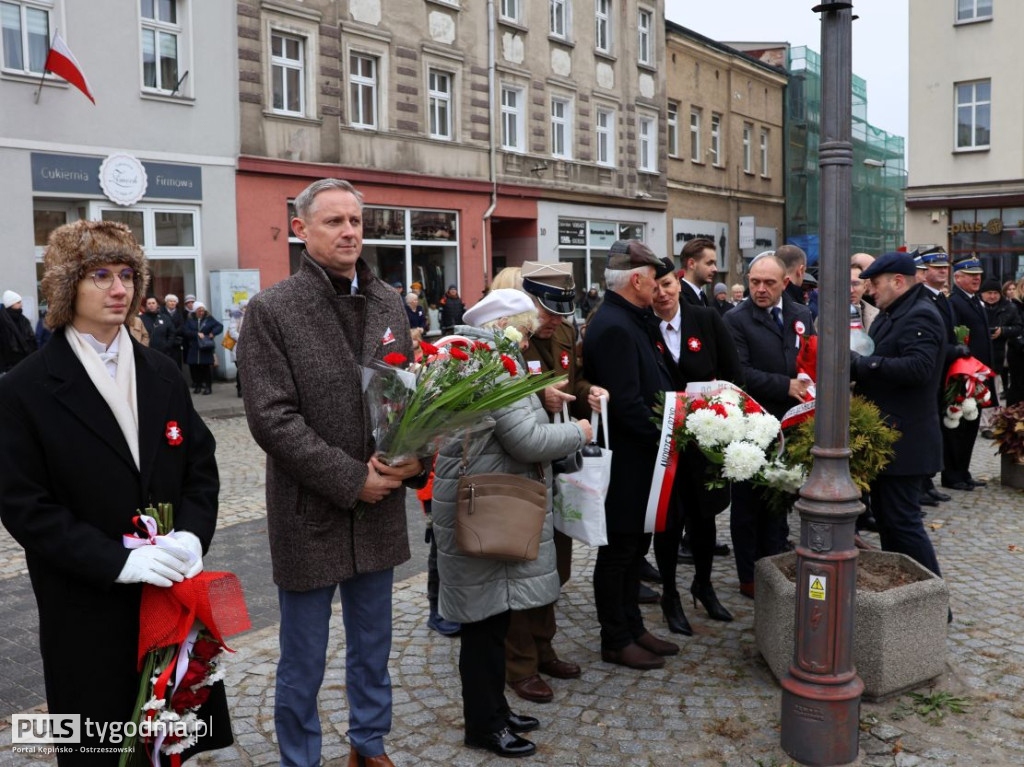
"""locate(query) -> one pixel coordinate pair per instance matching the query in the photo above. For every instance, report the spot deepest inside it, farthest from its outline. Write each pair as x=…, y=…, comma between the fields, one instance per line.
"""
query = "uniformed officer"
x=528, y=649
x=902, y=377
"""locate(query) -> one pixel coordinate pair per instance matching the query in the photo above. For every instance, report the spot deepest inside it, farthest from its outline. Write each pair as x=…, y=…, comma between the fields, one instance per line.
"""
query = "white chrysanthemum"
x=706, y=428
x=181, y=745
x=788, y=479
x=218, y=674
x=730, y=397
x=971, y=415
x=154, y=704
x=954, y=412
x=742, y=461
x=970, y=407
x=513, y=335
x=168, y=716
x=950, y=423
x=762, y=428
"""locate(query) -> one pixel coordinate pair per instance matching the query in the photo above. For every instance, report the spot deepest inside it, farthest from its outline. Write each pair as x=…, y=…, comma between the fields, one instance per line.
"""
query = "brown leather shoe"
x=355, y=759
x=633, y=656
x=747, y=589
x=560, y=669
x=651, y=643
x=532, y=688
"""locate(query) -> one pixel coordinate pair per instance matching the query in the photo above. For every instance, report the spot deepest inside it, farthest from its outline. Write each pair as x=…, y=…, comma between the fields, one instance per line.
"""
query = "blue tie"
x=777, y=314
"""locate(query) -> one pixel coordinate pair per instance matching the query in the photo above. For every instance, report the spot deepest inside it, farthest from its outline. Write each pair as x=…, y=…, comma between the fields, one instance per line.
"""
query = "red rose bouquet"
x=181, y=644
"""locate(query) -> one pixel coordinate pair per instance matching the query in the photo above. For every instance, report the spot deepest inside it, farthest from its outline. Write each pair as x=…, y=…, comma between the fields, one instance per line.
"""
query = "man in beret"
x=620, y=355
x=969, y=312
x=902, y=377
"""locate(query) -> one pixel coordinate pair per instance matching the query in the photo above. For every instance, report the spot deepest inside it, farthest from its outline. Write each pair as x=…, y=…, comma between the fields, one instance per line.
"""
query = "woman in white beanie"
x=200, y=331
x=93, y=428
x=481, y=593
x=17, y=339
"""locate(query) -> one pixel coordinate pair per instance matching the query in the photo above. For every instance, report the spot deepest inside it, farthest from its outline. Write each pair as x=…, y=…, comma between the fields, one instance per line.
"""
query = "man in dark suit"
x=93, y=428
x=969, y=311
x=699, y=267
x=768, y=330
x=902, y=377
x=696, y=346
x=619, y=354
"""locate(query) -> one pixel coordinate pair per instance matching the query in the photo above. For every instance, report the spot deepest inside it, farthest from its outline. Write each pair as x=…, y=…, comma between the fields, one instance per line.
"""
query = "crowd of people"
x=659, y=326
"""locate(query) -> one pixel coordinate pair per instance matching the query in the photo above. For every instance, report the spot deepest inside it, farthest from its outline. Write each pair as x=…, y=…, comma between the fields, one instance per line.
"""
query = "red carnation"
x=719, y=408
x=480, y=346
x=185, y=698
x=428, y=349
x=458, y=354
x=750, y=407
x=205, y=649
x=510, y=366
x=458, y=342
x=395, y=359
x=699, y=404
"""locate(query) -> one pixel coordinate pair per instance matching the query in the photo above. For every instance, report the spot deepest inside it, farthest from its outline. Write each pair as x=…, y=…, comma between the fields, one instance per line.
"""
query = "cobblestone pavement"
x=714, y=704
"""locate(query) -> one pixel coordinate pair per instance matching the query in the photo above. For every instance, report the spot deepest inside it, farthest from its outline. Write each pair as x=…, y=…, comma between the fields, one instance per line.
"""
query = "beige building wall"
x=705, y=80
x=945, y=52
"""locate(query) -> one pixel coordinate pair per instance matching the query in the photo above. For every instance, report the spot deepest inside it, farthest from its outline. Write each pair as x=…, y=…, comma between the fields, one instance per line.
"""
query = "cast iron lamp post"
x=821, y=693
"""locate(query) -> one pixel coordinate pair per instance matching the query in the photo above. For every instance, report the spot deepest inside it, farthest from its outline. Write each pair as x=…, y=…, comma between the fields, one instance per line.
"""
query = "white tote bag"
x=579, y=501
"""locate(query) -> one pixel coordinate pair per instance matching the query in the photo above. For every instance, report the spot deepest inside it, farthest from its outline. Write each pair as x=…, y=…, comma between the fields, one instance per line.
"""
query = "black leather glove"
x=962, y=350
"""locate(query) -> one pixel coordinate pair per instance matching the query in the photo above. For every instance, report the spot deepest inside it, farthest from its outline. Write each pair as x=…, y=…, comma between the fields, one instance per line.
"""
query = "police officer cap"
x=630, y=254
x=969, y=265
x=552, y=285
x=934, y=257
x=891, y=263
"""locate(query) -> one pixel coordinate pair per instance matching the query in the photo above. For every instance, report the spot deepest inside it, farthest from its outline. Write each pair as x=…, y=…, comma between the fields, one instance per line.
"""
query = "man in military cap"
x=619, y=354
x=528, y=650
x=968, y=311
x=902, y=377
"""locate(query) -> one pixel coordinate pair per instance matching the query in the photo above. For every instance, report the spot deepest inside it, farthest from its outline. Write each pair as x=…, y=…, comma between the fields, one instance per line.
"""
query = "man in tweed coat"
x=304, y=403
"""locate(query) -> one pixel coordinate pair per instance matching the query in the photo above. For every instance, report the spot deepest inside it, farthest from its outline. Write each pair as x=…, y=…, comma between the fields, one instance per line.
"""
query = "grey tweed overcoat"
x=300, y=359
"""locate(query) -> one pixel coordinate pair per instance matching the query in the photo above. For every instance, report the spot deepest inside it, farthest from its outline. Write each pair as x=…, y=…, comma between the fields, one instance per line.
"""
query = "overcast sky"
x=879, y=41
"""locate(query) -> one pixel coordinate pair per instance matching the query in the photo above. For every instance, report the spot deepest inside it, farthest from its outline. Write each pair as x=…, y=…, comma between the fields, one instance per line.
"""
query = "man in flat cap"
x=528, y=649
x=970, y=312
x=902, y=377
x=619, y=354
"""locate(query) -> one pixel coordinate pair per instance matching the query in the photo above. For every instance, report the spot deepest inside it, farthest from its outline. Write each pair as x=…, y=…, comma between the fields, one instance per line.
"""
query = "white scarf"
x=118, y=390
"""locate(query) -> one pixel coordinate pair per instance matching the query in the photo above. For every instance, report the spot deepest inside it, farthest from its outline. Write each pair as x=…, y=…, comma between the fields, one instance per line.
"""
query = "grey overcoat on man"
x=300, y=357
x=471, y=588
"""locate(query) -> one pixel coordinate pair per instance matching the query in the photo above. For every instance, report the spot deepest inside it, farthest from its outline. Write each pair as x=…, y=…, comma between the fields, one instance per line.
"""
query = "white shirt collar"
x=675, y=321
x=693, y=287
x=109, y=352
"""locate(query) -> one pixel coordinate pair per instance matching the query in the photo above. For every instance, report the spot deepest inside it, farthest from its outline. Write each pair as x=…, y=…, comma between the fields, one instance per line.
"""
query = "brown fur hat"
x=76, y=248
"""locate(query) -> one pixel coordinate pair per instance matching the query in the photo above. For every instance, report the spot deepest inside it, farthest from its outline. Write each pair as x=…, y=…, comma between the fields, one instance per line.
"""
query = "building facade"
x=724, y=142
x=481, y=134
x=966, y=189
x=157, y=151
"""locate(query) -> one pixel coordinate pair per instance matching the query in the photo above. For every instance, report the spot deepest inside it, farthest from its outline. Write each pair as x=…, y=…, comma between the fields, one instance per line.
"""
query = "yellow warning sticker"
x=816, y=590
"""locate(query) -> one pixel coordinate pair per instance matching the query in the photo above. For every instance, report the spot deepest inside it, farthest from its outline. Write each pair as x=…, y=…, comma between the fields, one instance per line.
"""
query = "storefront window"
x=45, y=221
x=172, y=275
x=383, y=224
x=996, y=235
x=130, y=218
x=585, y=244
x=174, y=230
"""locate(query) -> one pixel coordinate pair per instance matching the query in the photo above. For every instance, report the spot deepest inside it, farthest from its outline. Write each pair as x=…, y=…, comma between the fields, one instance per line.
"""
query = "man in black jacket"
x=452, y=310
x=768, y=330
x=699, y=267
x=619, y=354
x=17, y=339
x=970, y=312
x=902, y=377
x=163, y=336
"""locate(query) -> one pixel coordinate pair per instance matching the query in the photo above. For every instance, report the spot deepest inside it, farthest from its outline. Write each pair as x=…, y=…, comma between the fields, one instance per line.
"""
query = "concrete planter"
x=1011, y=472
x=900, y=634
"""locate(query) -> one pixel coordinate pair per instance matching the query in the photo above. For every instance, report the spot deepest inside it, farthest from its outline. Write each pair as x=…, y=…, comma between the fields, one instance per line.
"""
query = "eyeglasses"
x=104, y=278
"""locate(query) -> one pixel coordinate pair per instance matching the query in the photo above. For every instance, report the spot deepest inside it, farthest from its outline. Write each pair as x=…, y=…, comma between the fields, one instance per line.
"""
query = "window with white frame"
x=439, y=103
x=362, y=79
x=973, y=114
x=764, y=152
x=672, y=139
x=561, y=128
x=605, y=137
x=287, y=73
x=716, y=139
x=559, y=18
x=645, y=36
x=603, y=38
x=973, y=10
x=748, y=149
x=695, y=148
x=162, y=44
x=647, y=143
x=25, y=39
x=511, y=10
x=512, y=128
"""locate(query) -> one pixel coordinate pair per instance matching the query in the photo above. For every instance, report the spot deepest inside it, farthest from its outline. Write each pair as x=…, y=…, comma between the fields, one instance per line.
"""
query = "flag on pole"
x=61, y=61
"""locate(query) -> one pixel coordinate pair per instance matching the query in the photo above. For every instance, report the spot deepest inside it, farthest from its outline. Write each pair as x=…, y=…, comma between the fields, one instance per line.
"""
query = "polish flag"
x=61, y=61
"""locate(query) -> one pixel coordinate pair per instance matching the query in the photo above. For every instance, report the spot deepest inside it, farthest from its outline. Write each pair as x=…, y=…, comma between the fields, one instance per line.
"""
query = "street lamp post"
x=821, y=693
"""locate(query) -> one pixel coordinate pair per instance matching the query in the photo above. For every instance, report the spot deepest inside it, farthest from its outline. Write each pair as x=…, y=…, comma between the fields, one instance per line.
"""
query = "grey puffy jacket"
x=473, y=589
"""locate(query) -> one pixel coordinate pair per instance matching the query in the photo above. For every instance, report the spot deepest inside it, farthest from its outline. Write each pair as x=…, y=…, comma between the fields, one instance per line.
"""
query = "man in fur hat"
x=93, y=428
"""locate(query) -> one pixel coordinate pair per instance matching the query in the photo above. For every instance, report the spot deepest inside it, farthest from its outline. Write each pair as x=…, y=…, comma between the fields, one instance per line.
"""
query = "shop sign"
x=748, y=226
x=174, y=182
x=631, y=232
x=603, y=234
x=123, y=179
x=572, y=231
x=80, y=174
x=993, y=226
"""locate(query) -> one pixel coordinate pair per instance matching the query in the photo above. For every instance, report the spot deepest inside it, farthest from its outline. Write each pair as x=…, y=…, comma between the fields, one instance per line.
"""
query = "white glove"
x=192, y=543
x=155, y=565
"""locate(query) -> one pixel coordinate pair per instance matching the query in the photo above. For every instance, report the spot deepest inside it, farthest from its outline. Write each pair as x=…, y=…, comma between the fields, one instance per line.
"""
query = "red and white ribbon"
x=135, y=541
x=664, y=466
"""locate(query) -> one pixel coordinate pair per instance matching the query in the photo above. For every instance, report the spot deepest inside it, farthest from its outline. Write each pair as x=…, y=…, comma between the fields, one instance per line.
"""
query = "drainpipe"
x=492, y=149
